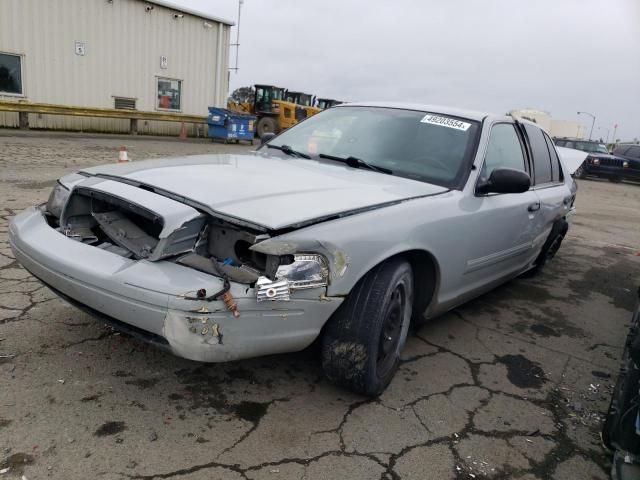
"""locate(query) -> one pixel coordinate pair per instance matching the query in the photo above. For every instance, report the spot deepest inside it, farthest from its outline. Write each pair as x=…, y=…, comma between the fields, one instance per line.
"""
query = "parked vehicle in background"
x=268, y=104
x=599, y=162
x=621, y=429
x=350, y=225
x=324, y=103
x=630, y=154
x=304, y=104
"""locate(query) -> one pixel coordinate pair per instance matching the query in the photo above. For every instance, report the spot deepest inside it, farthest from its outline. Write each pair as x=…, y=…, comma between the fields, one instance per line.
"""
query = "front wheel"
x=266, y=125
x=363, y=340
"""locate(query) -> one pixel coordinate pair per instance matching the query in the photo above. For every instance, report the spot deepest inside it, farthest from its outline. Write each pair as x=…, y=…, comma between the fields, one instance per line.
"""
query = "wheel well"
x=425, y=279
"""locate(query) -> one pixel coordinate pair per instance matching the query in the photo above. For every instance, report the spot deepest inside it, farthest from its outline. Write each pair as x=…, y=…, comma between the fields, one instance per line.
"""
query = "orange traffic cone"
x=122, y=155
x=183, y=132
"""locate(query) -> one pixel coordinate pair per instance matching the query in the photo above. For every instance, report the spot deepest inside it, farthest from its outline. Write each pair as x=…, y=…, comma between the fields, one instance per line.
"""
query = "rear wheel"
x=363, y=340
x=266, y=125
x=551, y=245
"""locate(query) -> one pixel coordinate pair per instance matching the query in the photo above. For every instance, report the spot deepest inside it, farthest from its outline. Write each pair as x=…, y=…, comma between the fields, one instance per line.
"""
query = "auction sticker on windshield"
x=445, y=122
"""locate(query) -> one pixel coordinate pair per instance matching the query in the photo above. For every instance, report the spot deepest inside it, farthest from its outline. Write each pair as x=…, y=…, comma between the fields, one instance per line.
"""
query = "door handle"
x=534, y=207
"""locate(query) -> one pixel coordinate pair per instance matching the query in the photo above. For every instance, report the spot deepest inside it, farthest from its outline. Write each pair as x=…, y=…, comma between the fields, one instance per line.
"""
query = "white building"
x=555, y=128
x=148, y=55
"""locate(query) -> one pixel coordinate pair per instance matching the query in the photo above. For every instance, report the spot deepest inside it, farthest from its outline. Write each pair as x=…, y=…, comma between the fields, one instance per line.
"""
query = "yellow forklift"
x=324, y=103
x=274, y=113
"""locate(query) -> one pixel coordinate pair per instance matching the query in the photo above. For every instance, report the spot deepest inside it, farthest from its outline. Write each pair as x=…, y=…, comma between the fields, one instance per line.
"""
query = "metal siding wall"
x=123, y=48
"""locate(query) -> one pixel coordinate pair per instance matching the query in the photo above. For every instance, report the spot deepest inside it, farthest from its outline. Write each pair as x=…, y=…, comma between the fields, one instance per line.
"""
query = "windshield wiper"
x=356, y=162
x=288, y=150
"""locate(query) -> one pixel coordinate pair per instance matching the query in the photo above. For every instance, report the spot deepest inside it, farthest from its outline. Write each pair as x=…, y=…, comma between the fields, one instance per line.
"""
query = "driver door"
x=501, y=226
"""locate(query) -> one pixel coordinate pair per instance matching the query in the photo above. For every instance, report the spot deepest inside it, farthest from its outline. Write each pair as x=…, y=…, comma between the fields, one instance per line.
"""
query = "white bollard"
x=122, y=155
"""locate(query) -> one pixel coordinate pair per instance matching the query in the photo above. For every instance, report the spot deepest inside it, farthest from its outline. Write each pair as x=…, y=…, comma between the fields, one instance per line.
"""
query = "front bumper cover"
x=149, y=296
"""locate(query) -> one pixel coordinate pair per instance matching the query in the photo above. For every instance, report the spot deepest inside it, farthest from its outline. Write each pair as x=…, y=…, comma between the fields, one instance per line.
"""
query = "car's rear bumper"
x=150, y=298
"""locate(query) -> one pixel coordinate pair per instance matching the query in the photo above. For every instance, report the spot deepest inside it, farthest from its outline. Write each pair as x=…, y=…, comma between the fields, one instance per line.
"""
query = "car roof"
x=456, y=112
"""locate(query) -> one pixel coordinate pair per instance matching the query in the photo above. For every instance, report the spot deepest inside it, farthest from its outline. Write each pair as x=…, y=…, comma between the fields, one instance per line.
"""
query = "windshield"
x=592, y=147
x=423, y=146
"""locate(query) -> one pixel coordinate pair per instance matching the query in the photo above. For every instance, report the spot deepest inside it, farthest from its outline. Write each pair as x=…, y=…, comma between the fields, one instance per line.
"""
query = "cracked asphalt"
x=513, y=385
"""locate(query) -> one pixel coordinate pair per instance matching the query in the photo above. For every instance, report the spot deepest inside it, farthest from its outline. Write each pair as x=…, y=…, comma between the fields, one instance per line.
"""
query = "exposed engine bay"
x=197, y=240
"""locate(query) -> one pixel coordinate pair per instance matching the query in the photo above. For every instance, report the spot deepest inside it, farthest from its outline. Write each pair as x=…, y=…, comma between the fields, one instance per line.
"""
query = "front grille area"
x=611, y=162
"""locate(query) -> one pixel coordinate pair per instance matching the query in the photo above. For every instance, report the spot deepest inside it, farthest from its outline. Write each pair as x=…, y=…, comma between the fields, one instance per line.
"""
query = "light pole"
x=607, y=137
x=237, y=44
x=593, y=121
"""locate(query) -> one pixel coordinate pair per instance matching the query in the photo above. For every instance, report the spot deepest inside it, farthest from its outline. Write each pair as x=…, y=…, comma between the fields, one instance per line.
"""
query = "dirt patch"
x=16, y=463
x=250, y=411
x=619, y=281
x=91, y=398
x=522, y=372
x=110, y=428
x=143, y=383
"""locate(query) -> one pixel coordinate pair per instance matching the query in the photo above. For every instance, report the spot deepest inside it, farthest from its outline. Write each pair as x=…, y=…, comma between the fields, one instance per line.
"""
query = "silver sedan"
x=352, y=225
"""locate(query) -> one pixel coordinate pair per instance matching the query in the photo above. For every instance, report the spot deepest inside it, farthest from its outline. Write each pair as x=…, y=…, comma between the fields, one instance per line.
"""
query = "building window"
x=169, y=94
x=10, y=74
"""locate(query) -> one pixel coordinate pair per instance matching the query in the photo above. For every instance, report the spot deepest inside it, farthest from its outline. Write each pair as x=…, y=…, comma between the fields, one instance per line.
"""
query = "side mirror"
x=266, y=137
x=506, y=180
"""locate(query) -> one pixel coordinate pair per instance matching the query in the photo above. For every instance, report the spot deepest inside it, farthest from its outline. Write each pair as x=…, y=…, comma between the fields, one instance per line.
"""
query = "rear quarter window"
x=556, y=169
x=541, y=158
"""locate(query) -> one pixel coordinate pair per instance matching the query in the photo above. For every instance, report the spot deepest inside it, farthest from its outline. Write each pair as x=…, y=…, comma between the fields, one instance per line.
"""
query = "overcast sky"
x=560, y=56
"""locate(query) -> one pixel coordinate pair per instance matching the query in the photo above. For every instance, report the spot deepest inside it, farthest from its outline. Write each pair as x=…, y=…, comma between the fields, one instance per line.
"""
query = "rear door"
x=554, y=196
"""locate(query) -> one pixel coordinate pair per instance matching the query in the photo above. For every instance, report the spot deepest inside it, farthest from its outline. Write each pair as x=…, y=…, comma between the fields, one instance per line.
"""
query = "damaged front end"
x=214, y=289
x=137, y=223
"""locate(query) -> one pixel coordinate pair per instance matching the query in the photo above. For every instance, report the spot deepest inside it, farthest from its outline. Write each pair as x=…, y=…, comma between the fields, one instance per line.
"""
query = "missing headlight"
x=57, y=200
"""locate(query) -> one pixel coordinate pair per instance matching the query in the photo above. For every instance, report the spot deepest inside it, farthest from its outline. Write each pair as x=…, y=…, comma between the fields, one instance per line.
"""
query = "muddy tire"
x=362, y=341
x=266, y=125
x=551, y=245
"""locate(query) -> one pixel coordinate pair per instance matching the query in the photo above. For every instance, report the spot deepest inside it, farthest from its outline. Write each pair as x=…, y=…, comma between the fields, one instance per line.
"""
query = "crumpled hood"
x=272, y=192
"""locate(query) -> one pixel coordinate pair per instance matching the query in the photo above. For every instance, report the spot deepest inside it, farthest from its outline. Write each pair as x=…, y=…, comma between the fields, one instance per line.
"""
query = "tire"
x=579, y=173
x=362, y=341
x=266, y=125
x=551, y=245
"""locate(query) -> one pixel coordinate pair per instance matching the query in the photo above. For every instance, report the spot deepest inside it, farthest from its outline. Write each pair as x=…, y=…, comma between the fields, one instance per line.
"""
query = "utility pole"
x=237, y=44
x=608, y=131
x=593, y=121
x=615, y=128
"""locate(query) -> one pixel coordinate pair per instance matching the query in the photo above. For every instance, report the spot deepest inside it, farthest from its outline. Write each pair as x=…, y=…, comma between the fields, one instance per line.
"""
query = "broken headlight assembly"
x=57, y=200
x=303, y=271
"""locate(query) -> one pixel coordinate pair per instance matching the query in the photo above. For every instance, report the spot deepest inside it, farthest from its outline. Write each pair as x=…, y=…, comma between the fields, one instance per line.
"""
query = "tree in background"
x=242, y=94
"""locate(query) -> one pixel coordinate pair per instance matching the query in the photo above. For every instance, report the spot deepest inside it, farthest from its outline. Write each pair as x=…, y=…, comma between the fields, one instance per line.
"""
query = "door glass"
x=503, y=151
x=541, y=158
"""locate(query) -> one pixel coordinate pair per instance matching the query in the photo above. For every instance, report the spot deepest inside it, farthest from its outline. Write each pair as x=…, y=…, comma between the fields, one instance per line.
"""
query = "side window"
x=620, y=150
x=503, y=150
x=11, y=74
x=633, y=152
x=541, y=158
x=556, y=169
